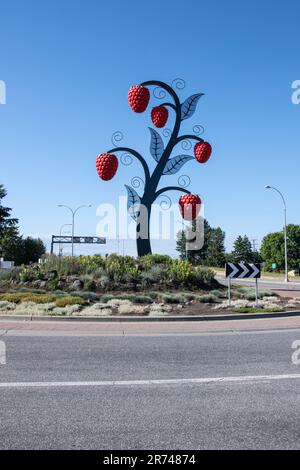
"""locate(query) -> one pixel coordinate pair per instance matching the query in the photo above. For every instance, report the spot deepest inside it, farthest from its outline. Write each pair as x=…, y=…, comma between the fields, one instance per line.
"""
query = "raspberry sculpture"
x=159, y=116
x=106, y=165
x=189, y=205
x=202, y=151
x=138, y=97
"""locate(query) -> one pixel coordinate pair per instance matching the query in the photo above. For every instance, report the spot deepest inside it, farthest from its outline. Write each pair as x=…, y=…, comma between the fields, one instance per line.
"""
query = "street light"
x=73, y=212
x=285, y=233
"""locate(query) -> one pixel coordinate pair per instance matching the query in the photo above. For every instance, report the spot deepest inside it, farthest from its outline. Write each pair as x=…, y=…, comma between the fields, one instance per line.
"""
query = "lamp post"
x=73, y=212
x=285, y=232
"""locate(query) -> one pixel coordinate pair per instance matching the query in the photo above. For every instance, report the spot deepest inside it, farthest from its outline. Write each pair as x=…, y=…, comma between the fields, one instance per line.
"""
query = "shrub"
x=204, y=277
x=141, y=299
x=248, y=293
x=17, y=297
x=206, y=299
x=180, y=272
x=187, y=296
x=106, y=297
x=5, y=275
x=153, y=295
x=154, y=274
x=219, y=294
x=90, y=264
x=71, y=300
x=5, y=305
x=148, y=261
x=172, y=298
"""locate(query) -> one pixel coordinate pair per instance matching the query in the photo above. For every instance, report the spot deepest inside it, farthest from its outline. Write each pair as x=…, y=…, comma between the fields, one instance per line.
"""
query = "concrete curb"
x=177, y=318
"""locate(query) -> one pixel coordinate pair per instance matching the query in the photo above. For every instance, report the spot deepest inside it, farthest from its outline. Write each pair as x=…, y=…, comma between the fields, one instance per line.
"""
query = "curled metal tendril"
x=116, y=138
x=126, y=159
x=137, y=182
x=184, y=181
x=165, y=203
x=198, y=129
x=178, y=83
x=186, y=145
x=159, y=93
x=167, y=132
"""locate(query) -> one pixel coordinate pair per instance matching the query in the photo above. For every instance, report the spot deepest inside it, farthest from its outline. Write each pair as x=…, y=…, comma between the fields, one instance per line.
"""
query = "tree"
x=5, y=219
x=216, y=248
x=272, y=248
x=139, y=207
x=212, y=253
x=242, y=250
x=11, y=245
x=33, y=250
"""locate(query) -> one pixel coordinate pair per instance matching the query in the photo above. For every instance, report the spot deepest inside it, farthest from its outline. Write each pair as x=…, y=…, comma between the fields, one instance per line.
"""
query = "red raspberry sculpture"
x=202, y=151
x=189, y=205
x=138, y=97
x=106, y=165
x=159, y=116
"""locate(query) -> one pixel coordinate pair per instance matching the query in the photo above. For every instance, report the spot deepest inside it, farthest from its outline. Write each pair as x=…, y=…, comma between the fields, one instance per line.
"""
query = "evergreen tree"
x=12, y=246
x=242, y=250
x=5, y=219
x=216, y=248
x=211, y=253
x=33, y=250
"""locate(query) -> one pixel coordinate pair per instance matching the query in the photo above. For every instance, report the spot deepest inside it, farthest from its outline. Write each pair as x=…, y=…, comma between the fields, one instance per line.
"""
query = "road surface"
x=87, y=387
x=265, y=283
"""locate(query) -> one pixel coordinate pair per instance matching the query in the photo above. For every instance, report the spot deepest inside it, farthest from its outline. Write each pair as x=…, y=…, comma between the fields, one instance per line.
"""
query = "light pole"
x=285, y=233
x=73, y=212
x=60, y=234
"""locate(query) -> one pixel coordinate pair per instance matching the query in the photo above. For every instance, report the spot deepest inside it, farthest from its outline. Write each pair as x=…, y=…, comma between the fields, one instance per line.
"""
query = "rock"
x=77, y=285
x=43, y=284
x=52, y=275
x=60, y=285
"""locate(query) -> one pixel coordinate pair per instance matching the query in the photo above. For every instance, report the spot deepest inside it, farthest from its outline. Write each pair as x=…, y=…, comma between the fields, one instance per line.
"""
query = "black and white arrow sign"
x=242, y=270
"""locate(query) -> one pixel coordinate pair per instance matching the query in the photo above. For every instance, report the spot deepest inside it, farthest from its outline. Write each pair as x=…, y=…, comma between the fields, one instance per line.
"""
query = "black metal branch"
x=170, y=188
x=171, y=105
x=137, y=155
x=157, y=173
x=166, y=87
x=188, y=137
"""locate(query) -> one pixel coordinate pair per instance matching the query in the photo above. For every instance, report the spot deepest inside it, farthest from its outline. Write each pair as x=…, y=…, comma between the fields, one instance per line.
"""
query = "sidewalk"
x=14, y=328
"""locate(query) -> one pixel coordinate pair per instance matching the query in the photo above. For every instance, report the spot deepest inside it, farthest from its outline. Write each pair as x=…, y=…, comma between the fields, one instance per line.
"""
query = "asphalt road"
x=273, y=284
x=59, y=392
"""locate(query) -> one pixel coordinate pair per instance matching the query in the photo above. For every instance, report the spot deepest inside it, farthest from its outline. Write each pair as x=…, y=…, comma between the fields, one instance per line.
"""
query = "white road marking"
x=119, y=383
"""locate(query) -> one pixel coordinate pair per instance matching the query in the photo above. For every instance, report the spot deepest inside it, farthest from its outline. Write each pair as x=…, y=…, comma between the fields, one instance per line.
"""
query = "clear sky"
x=68, y=65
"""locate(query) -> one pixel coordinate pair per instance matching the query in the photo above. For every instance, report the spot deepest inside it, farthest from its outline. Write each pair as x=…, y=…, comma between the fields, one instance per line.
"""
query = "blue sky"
x=68, y=65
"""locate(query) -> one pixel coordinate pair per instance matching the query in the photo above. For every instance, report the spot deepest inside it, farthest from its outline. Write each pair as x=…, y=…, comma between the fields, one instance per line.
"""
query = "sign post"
x=242, y=270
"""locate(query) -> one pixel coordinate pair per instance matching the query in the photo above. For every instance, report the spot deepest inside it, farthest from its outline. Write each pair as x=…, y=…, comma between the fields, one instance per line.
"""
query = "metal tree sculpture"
x=139, y=207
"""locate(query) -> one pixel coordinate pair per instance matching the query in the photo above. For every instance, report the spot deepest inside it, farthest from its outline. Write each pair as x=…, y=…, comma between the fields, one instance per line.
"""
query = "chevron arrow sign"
x=242, y=270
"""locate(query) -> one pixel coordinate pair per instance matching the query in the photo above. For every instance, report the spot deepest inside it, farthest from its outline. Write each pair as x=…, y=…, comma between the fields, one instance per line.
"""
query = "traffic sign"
x=242, y=270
